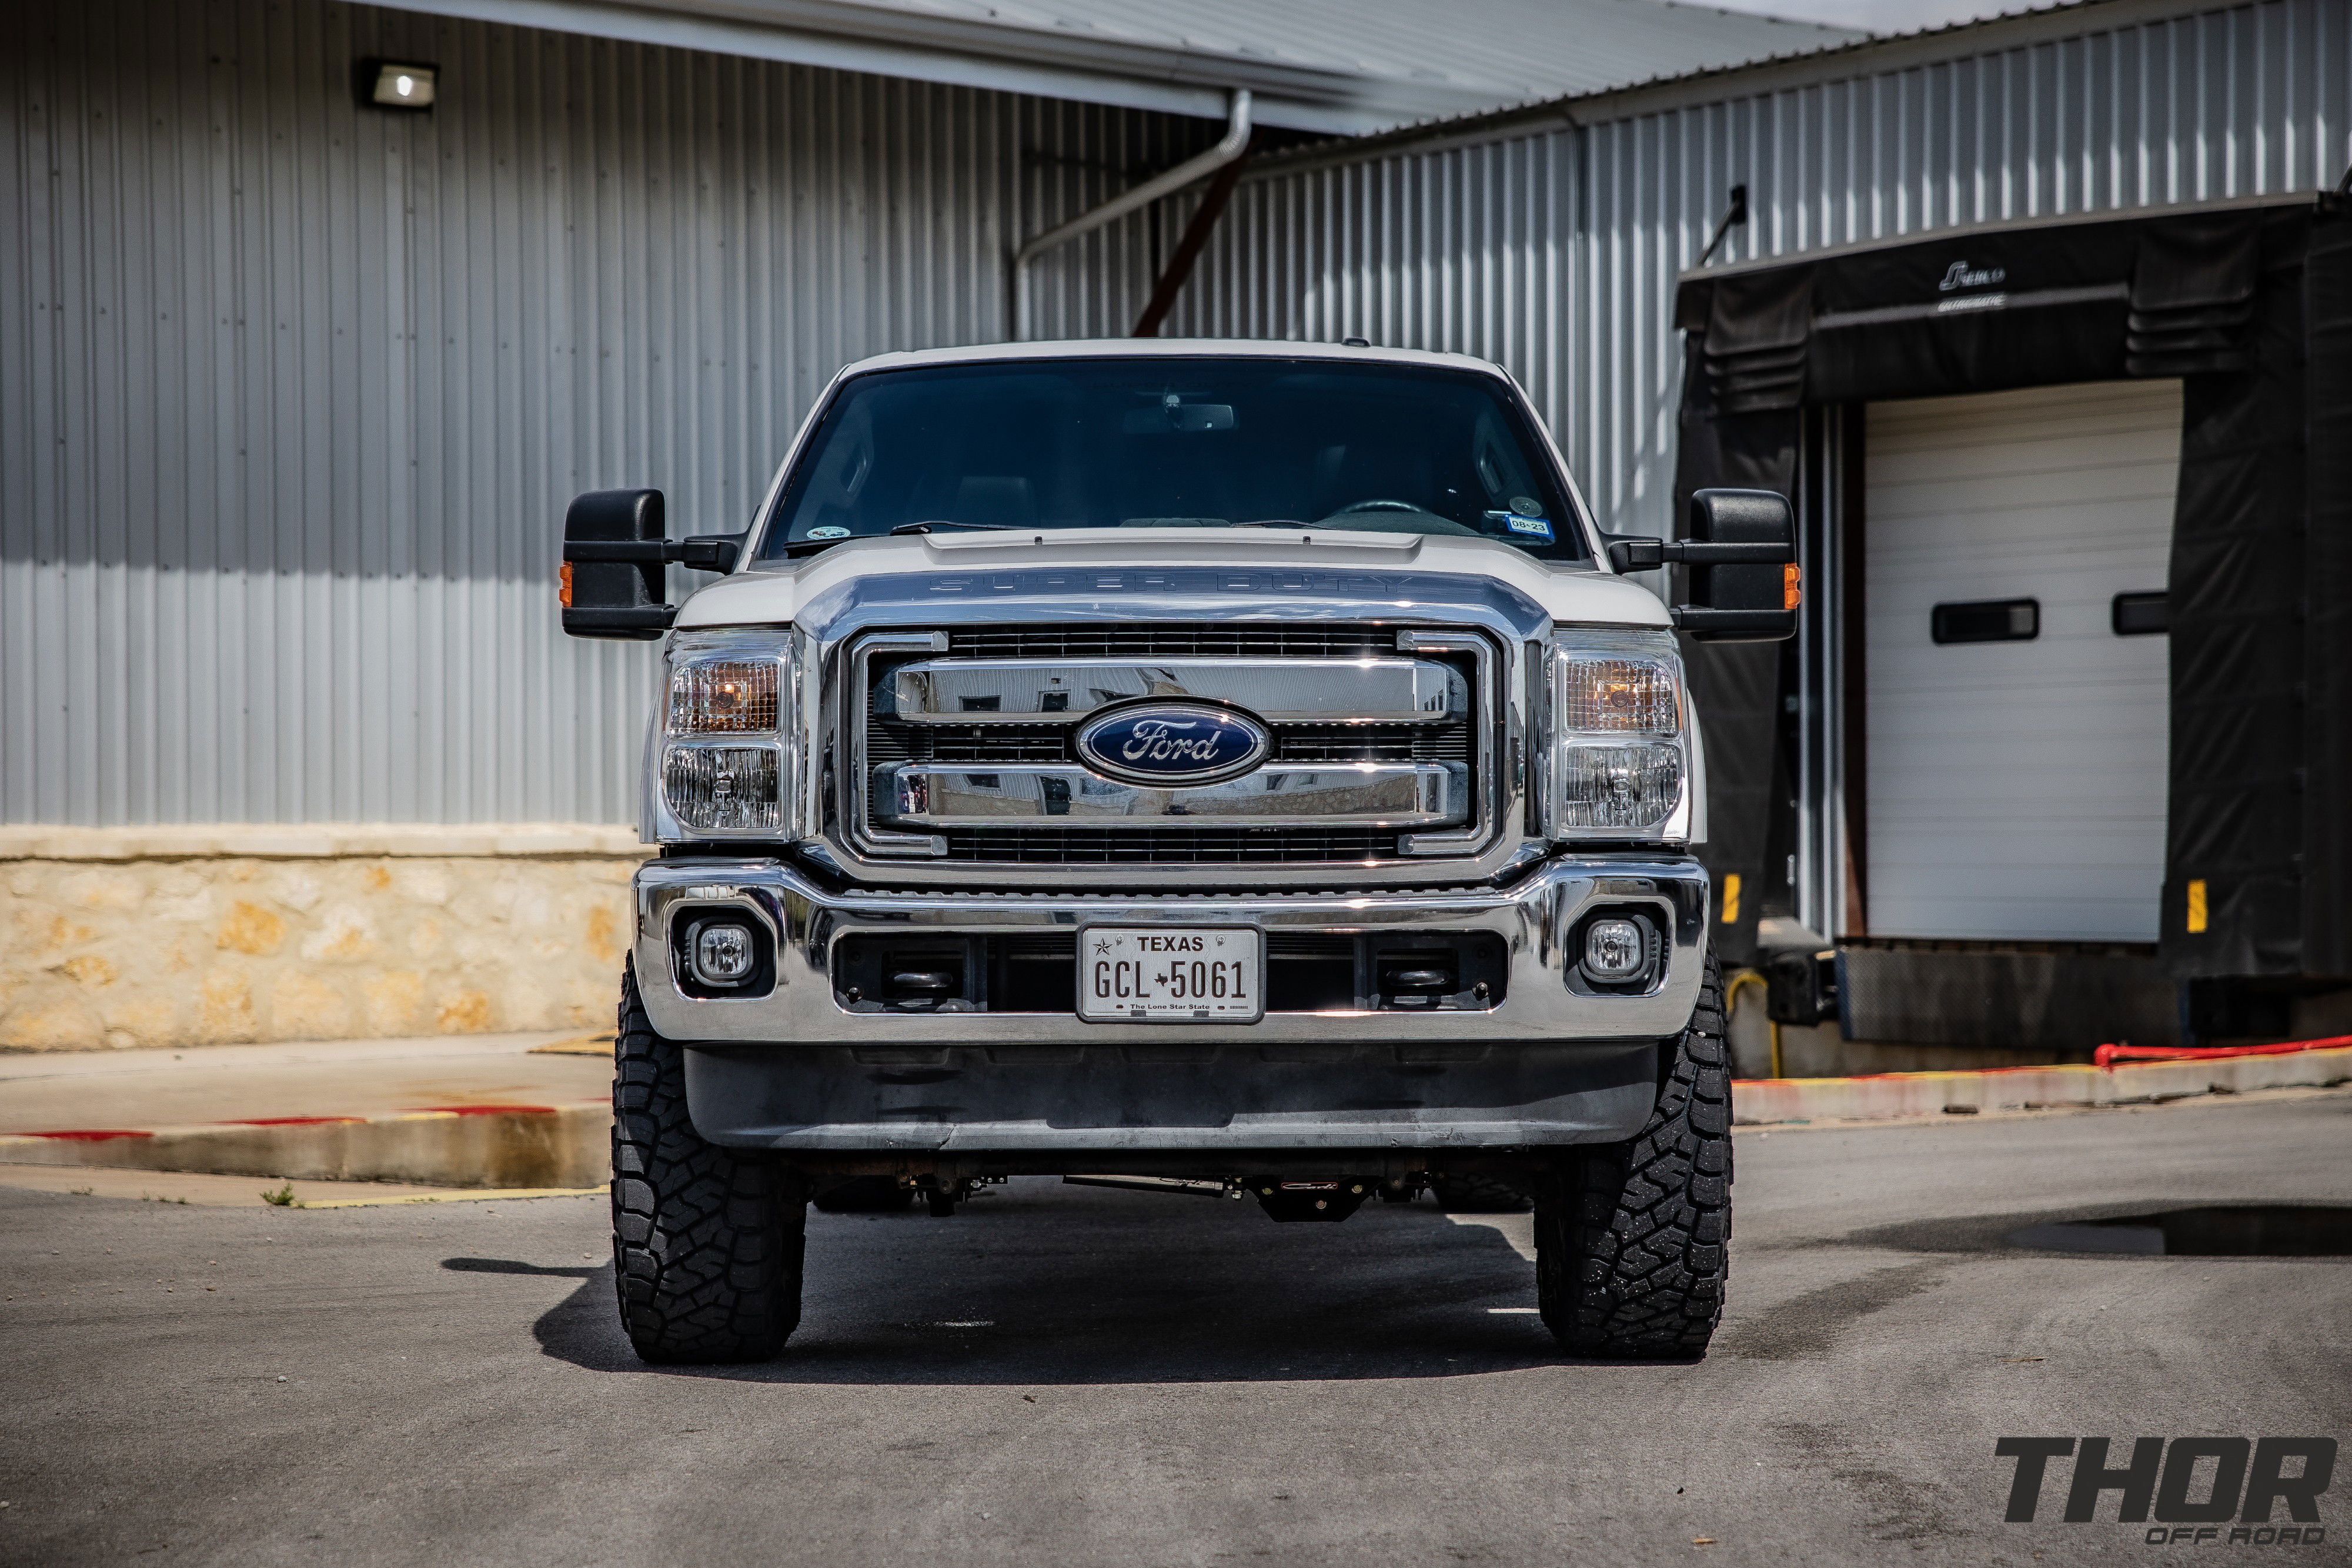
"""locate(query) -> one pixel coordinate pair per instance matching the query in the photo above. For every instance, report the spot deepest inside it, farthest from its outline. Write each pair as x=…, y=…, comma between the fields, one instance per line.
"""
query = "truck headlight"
x=725, y=789
x=1618, y=741
x=728, y=737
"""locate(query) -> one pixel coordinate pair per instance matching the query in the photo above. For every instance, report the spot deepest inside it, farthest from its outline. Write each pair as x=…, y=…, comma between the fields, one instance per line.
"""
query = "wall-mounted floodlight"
x=398, y=84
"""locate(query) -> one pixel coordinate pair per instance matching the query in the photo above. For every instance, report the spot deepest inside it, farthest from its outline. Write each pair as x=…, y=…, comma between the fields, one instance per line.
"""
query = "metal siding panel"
x=292, y=394
x=2244, y=98
x=301, y=574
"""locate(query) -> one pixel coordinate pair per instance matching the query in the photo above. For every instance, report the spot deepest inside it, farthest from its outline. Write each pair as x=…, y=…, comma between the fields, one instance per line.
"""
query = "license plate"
x=1196, y=974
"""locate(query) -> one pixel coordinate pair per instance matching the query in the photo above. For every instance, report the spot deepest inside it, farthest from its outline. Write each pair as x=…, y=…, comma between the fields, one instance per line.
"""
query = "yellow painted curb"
x=516, y=1193
x=578, y=1045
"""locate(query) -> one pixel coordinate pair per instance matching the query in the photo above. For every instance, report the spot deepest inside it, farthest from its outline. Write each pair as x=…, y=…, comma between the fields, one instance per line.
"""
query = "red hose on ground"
x=2108, y=1055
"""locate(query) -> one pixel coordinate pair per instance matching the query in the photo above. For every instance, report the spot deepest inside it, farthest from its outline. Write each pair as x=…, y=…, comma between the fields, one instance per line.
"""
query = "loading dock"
x=2062, y=749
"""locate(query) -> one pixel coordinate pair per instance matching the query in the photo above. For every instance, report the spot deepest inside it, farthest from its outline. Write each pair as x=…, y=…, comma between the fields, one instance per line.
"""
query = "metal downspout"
x=1234, y=142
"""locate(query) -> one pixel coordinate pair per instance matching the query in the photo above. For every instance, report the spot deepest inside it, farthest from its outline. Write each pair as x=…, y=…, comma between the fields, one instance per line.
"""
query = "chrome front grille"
x=889, y=741
x=965, y=742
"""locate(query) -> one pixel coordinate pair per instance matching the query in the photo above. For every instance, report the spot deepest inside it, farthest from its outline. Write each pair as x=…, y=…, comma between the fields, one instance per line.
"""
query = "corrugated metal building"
x=292, y=391
x=295, y=393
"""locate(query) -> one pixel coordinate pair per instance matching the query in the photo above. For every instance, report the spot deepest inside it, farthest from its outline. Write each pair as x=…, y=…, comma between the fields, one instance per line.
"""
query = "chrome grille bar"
x=1347, y=794
x=1367, y=690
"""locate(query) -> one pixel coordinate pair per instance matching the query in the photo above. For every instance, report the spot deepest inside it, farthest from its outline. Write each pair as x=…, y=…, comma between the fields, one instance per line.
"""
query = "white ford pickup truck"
x=1202, y=765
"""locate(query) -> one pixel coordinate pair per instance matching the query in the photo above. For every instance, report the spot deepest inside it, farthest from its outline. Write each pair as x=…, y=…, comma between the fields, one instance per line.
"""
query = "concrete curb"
x=570, y=1147
x=1897, y=1096
x=567, y=1147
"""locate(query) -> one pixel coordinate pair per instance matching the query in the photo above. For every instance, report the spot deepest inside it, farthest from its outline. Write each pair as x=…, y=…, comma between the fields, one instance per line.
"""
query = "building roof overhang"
x=1184, y=56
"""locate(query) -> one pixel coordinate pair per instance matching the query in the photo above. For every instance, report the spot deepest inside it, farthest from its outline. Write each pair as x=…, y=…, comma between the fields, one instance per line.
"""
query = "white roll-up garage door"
x=2015, y=784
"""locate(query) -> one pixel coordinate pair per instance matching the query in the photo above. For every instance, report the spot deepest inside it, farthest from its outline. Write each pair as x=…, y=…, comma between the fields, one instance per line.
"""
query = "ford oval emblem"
x=1172, y=744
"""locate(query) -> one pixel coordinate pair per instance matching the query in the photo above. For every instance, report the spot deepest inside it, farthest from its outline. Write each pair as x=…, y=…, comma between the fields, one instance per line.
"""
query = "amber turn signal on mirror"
x=1792, y=586
x=563, y=585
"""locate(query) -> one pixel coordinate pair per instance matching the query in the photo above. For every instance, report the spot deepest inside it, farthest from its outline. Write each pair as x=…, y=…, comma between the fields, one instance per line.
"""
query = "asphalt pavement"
x=1073, y=1375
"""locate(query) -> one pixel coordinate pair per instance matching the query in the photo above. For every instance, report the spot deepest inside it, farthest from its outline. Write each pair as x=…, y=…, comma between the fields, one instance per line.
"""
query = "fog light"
x=723, y=955
x=1615, y=951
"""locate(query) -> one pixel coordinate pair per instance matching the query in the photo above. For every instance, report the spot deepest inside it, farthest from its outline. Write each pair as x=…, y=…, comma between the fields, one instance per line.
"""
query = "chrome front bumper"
x=1543, y=1003
x=1385, y=1091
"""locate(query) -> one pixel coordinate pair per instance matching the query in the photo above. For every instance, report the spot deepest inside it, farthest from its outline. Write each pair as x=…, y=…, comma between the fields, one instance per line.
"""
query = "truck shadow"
x=1042, y=1284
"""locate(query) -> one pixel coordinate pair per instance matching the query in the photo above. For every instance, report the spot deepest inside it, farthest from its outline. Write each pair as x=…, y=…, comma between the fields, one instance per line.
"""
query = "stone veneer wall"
x=122, y=938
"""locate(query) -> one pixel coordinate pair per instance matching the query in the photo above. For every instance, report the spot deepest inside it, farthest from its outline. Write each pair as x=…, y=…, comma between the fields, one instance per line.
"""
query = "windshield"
x=1177, y=442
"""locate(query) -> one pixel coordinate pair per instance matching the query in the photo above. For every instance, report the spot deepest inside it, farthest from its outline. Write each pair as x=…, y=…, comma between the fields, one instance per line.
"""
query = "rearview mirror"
x=1736, y=596
x=614, y=553
x=1741, y=552
x=1179, y=418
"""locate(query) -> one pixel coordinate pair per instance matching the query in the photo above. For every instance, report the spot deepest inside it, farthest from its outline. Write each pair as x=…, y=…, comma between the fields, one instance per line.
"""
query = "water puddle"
x=2223, y=1231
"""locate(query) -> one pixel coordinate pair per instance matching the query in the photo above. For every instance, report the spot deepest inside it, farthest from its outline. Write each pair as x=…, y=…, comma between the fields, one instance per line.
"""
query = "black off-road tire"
x=1632, y=1239
x=706, y=1241
x=1479, y=1194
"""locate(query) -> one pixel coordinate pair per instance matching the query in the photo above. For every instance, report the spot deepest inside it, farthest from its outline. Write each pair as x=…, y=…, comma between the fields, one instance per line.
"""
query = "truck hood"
x=776, y=593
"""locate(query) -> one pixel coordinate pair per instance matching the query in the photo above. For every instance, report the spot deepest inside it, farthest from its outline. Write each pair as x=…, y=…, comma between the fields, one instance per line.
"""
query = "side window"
x=1512, y=506
x=840, y=478
x=1500, y=468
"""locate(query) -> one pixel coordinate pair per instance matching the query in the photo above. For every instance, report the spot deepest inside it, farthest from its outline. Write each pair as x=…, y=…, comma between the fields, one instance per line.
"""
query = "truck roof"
x=1170, y=348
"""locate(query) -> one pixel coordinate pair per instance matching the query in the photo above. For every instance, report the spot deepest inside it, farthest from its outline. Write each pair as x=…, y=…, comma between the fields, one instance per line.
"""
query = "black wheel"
x=706, y=1242
x=1632, y=1239
x=1479, y=1194
x=867, y=1195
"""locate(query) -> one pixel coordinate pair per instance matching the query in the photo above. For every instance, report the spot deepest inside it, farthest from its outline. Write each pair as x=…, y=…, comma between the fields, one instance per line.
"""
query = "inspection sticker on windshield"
x=1196, y=974
x=1518, y=523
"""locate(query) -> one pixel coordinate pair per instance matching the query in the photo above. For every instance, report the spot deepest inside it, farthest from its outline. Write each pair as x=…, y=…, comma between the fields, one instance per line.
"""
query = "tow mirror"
x=1743, y=577
x=614, y=553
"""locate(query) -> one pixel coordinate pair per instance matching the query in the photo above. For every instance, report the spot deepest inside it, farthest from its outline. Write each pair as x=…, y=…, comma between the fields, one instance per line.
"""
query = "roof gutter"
x=1230, y=147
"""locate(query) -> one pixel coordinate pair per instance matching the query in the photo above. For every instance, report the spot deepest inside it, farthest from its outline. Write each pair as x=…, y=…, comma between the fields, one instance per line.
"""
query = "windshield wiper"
x=809, y=547
x=806, y=547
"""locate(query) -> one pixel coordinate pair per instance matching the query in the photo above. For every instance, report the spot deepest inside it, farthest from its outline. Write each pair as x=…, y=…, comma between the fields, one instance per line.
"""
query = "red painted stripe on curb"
x=2109, y=1057
x=294, y=1122
x=91, y=1134
x=2106, y=1055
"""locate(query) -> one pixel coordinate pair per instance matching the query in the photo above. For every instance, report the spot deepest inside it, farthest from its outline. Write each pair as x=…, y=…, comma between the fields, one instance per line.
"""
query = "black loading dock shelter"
x=2049, y=610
